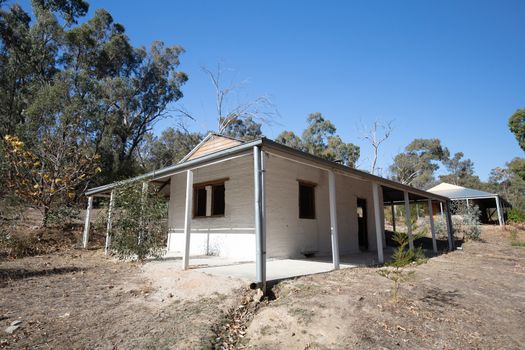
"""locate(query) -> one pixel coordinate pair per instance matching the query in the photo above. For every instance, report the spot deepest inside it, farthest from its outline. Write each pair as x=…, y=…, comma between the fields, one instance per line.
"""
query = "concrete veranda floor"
x=277, y=269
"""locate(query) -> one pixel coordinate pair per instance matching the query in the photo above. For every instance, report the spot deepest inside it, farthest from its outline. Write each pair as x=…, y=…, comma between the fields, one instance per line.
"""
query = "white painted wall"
x=289, y=236
x=232, y=235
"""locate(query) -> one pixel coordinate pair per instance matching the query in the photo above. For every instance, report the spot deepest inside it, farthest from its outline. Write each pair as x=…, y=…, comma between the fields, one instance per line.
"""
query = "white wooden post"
x=500, y=215
x=417, y=210
x=108, y=228
x=333, y=219
x=87, y=221
x=377, y=218
x=441, y=208
x=449, y=227
x=393, y=217
x=408, y=221
x=187, y=220
x=432, y=227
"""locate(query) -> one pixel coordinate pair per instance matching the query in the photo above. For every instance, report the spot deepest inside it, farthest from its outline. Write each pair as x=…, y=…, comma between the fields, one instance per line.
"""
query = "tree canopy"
x=460, y=172
x=80, y=89
x=517, y=126
x=320, y=139
x=418, y=163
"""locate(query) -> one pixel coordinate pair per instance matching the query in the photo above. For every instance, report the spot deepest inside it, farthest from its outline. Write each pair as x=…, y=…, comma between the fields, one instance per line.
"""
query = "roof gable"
x=210, y=144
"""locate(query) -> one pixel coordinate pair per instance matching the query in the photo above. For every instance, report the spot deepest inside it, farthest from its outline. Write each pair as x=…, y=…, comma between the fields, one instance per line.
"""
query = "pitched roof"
x=458, y=192
x=160, y=175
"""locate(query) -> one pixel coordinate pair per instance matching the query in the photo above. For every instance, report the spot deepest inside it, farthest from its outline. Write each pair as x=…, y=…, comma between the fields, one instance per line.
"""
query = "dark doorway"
x=361, y=223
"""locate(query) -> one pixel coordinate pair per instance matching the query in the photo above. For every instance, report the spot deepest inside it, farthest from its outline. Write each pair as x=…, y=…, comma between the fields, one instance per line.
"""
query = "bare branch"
x=376, y=136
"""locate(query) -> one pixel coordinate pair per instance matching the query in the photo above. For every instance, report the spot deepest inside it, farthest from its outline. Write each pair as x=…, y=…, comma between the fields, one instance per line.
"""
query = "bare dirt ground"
x=74, y=299
x=469, y=299
x=81, y=300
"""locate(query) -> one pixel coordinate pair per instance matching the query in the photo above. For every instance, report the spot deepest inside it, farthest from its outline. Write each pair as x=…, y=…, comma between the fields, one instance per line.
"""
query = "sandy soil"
x=469, y=299
x=81, y=300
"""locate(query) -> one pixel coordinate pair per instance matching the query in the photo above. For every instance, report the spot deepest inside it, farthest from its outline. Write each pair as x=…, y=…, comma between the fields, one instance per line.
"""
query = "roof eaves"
x=157, y=174
x=359, y=173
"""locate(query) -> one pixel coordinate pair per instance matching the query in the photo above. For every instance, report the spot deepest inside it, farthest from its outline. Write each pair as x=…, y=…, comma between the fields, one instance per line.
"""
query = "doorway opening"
x=362, y=225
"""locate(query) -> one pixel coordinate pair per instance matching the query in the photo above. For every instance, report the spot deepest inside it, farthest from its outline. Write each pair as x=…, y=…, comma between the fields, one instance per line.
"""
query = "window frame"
x=312, y=186
x=201, y=185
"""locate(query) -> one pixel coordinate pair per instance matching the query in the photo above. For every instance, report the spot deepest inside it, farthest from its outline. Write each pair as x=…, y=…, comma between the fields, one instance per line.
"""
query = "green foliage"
x=139, y=222
x=516, y=216
x=417, y=165
x=63, y=216
x=466, y=220
x=460, y=172
x=509, y=182
x=83, y=89
x=440, y=225
x=15, y=246
x=402, y=257
x=246, y=129
x=290, y=139
x=169, y=148
x=320, y=139
x=517, y=126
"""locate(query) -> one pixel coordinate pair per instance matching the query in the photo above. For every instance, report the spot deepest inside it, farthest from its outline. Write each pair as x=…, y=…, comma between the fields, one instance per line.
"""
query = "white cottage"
x=250, y=201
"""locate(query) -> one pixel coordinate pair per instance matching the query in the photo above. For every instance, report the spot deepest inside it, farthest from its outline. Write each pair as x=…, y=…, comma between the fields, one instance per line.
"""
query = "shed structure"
x=492, y=206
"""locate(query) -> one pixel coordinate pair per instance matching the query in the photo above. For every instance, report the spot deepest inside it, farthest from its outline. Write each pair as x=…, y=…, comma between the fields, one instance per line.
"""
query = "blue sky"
x=452, y=70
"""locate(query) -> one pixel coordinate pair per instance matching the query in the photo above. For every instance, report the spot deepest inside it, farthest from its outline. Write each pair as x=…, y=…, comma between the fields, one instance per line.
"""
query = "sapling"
x=402, y=257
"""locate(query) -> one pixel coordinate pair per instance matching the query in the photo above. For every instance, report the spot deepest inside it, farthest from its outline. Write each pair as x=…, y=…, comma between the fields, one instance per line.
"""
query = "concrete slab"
x=277, y=269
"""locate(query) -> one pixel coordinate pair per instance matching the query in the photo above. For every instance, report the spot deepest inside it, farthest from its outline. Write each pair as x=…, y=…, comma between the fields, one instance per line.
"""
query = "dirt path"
x=470, y=299
x=81, y=300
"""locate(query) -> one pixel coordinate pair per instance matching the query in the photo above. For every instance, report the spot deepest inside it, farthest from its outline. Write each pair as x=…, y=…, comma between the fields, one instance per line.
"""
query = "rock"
x=16, y=323
x=11, y=329
x=258, y=295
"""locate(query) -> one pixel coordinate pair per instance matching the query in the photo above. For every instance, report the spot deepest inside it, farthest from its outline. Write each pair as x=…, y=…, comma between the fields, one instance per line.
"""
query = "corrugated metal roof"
x=459, y=192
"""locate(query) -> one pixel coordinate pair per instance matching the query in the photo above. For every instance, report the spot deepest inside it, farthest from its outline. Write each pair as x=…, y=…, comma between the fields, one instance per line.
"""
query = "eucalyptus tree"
x=517, y=126
x=320, y=139
x=417, y=165
x=80, y=89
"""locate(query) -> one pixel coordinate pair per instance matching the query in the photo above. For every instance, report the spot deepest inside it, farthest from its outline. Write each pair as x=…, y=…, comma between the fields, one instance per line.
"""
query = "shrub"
x=516, y=216
x=17, y=245
x=402, y=257
x=139, y=222
x=62, y=216
x=466, y=221
x=440, y=225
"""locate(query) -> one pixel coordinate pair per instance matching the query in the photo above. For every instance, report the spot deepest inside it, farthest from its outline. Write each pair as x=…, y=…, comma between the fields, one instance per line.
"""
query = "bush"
x=139, y=222
x=62, y=216
x=440, y=225
x=516, y=216
x=402, y=257
x=466, y=221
